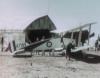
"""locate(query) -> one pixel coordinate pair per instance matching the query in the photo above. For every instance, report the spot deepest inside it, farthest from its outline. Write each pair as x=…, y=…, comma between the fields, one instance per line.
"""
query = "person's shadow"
x=88, y=58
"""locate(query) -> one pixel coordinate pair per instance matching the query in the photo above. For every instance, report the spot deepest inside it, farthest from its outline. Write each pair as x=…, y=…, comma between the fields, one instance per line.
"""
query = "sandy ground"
x=50, y=67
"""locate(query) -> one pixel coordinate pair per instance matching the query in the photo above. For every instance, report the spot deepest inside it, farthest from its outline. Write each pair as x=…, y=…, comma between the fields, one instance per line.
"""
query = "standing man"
x=96, y=45
x=70, y=46
x=2, y=42
x=68, y=50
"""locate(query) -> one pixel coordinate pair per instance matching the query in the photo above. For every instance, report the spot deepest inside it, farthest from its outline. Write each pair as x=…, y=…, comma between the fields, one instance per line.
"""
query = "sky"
x=66, y=14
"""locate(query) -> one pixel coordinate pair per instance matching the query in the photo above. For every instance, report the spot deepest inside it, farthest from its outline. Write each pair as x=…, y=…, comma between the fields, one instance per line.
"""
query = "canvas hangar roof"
x=41, y=23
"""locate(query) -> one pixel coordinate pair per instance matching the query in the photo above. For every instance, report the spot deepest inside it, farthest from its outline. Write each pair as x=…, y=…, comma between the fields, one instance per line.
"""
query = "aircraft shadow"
x=23, y=56
x=80, y=56
x=88, y=58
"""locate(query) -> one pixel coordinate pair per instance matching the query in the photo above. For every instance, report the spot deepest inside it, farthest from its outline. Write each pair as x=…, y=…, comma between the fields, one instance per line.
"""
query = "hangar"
x=39, y=28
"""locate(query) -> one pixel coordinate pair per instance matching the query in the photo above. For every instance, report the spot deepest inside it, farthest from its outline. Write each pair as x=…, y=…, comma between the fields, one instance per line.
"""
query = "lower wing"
x=81, y=48
x=30, y=46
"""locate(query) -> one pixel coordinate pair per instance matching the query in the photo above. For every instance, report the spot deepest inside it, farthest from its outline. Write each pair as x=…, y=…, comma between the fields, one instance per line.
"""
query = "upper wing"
x=74, y=29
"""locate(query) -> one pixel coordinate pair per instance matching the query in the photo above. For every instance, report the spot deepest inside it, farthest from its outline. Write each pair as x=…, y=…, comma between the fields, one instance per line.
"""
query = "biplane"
x=57, y=44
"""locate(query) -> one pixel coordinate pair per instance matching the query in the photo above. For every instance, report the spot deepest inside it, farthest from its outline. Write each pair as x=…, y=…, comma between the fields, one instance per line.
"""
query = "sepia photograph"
x=49, y=39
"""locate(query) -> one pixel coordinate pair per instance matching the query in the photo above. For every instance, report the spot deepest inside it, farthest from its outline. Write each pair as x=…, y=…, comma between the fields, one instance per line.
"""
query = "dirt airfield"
x=50, y=67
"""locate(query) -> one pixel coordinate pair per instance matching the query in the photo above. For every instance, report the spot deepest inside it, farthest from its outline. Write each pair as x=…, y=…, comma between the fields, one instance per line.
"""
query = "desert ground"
x=50, y=67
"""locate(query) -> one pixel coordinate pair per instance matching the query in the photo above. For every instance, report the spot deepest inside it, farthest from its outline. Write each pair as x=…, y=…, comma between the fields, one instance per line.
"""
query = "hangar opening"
x=39, y=29
x=34, y=35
